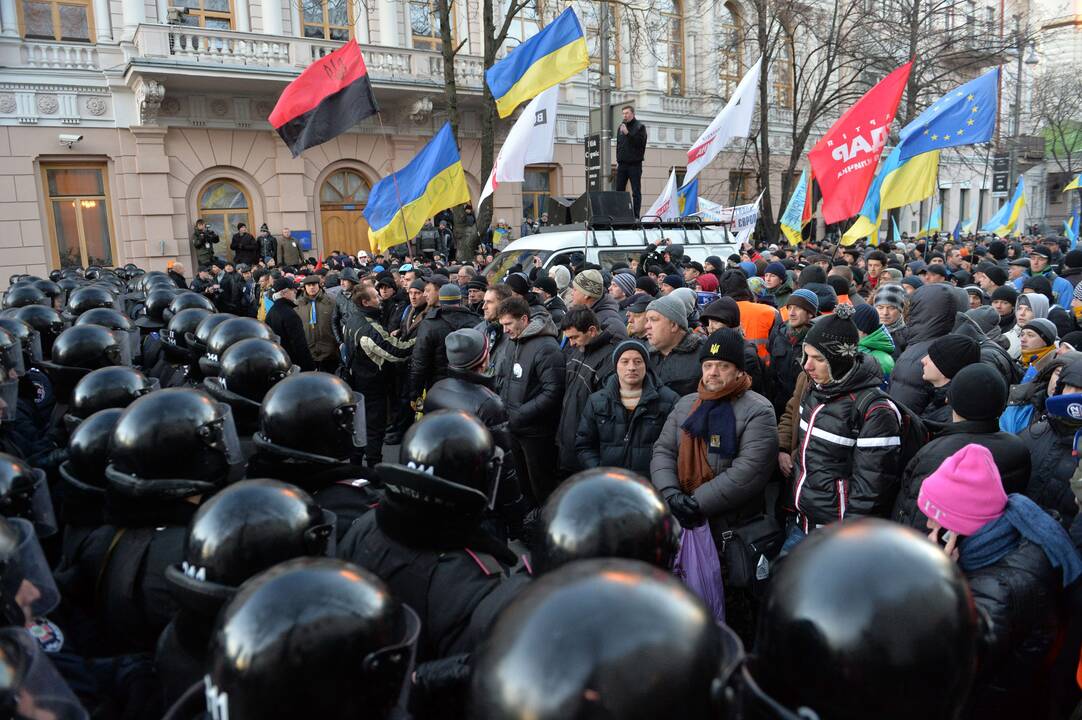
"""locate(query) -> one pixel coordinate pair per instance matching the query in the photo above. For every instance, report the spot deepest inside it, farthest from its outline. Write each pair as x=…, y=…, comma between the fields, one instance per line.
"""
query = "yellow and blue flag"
x=687, y=198
x=548, y=58
x=1002, y=223
x=400, y=203
x=798, y=211
x=1074, y=184
x=1071, y=227
x=896, y=184
x=964, y=116
x=934, y=224
x=897, y=232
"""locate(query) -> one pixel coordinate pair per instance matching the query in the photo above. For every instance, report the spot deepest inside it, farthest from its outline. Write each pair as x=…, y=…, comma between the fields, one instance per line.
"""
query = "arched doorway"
x=341, y=201
x=223, y=204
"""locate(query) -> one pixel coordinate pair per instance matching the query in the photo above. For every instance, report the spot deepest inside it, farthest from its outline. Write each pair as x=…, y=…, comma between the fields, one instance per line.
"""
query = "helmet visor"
x=359, y=426
x=124, y=349
x=222, y=436
x=42, y=693
x=131, y=337
x=34, y=346
x=9, y=396
x=13, y=359
x=27, y=578
x=34, y=503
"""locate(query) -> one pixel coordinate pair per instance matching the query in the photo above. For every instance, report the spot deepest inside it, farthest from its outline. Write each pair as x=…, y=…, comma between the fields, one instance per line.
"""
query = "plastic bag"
x=698, y=566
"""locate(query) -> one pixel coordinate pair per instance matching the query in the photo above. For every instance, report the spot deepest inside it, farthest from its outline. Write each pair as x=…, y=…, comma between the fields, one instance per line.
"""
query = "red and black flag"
x=328, y=98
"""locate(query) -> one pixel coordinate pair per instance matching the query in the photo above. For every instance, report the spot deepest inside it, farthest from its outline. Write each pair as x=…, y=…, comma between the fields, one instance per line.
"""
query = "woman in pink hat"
x=1017, y=560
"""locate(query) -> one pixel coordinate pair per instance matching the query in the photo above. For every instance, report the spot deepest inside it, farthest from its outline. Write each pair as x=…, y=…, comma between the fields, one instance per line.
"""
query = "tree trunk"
x=766, y=208
x=449, y=50
x=488, y=113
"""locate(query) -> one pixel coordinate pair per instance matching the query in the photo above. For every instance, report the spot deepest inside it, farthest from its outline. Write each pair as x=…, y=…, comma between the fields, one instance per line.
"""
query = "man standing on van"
x=630, y=148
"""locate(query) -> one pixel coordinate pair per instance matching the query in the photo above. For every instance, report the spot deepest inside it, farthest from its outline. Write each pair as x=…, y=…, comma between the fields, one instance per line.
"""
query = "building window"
x=670, y=48
x=593, y=44
x=732, y=50
x=80, y=221
x=526, y=23
x=537, y=184
x=327, y=20
x=345, y=187
x=223, y=204
x=781, y=76
x=70, y=20
x=425, y=23
x=740, y=187
x=216, y=14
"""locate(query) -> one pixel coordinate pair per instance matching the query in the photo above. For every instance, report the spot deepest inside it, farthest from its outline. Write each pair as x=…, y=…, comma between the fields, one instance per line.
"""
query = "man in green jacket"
x=315, y=310
x=874, y=339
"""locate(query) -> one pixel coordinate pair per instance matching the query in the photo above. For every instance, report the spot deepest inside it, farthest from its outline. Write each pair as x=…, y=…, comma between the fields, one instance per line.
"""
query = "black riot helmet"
x=174, y=336
x=87, y=298
x=113, y=320
x=23, y=294
x=109, y=387
x=240, y=532
x=80, y=349
x=67, y=284
x=156, y=303
x=447, y=459
x=55, y=275
x=866, y=620
x=229, y=332
x=174, y=443
x=30, y=686
x=185, y=300
x=24, y=493
x=50, y=288
x=315, y=638
x=88, y=453
x=603, y=638
x=22, y=560
x=605, y=512
x=27, y=336
x=46, y=321
x=249, y=369
x=197, y=341
x=314, y=416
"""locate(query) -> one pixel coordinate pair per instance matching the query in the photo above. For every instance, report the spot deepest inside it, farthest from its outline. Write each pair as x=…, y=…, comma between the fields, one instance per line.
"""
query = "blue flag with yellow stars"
x=964, y=116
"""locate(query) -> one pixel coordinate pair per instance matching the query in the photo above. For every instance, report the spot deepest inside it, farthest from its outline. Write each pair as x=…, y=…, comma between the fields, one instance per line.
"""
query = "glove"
x=443, y=674
x=686, y=509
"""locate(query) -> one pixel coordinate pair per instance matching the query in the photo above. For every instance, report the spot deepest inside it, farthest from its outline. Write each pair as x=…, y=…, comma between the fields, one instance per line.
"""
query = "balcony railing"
x=232, y=49
x=60, y=56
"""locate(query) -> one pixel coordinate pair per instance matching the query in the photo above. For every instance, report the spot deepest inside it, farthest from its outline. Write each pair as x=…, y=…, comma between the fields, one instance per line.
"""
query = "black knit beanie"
x=978, y=392
x=836, y=336
x=952, y=352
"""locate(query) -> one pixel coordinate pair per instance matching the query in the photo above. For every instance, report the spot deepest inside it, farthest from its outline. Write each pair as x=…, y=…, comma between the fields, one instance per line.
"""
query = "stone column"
x=9, y=20
x=388, y=23
x=360, y=22
x=272, y=17
x=135, y=12
x=150, y=232
x=244, y=16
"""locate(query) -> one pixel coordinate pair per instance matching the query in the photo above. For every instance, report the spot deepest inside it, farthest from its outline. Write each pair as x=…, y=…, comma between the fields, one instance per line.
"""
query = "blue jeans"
x=795, y=537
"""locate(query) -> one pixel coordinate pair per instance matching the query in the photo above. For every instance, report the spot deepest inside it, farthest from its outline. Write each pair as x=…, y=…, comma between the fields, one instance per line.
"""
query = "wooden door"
x=344, y=230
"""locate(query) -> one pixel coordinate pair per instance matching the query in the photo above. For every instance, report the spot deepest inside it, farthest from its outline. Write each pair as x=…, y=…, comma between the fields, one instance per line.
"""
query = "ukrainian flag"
x=798, y=211
x=1002, y=223
x=400, y=203
x=1074, y=184
x=934, y=224
x=899, y=182
x=548, y=58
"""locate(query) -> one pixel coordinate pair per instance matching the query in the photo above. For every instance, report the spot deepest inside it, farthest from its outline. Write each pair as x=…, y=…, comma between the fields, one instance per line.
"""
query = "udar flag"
x=845, y=159
x=328, y=98
x=400, y=203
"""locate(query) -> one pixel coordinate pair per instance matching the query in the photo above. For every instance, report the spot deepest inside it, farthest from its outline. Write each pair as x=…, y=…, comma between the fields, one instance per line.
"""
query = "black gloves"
x=685, y=508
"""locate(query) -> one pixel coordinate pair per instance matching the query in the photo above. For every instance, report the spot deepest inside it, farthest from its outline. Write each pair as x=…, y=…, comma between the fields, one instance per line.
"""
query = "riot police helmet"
x=23, y=294
x=229, y=332
x=314, y=416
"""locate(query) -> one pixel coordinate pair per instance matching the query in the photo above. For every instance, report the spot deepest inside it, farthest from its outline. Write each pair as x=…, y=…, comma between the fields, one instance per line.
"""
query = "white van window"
x=607, y=258
x=503, y=262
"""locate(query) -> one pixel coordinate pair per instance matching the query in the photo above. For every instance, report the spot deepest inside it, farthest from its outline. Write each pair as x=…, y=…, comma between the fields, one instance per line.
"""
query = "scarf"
x=630, y=398
x=1032, y=357
x=1023, y=518
x=710, y=428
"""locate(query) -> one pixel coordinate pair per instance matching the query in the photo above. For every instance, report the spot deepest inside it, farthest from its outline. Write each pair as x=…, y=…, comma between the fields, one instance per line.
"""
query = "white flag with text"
x=530, y=141
x=734, y=121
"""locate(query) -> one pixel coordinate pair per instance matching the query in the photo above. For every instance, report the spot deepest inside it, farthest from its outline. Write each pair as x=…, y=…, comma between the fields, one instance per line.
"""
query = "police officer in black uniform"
x=240, y=532
x=178, y=359
x=248, y=369
x=425, y=538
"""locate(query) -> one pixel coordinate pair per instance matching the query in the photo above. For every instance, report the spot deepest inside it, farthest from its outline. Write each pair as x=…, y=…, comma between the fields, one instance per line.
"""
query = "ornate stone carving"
x=7, y=104
x=149, y=96
x=48, y=104
x=420, y=112
x=95, y=106
x=219, y=107
x=170, y=106
x=263, y=109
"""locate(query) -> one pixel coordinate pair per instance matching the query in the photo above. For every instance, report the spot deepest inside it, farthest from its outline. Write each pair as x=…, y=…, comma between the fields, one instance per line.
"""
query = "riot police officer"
x=425, y=538
x=240, y=532
x=108, y=387
x=247, y=371
x=82, y=475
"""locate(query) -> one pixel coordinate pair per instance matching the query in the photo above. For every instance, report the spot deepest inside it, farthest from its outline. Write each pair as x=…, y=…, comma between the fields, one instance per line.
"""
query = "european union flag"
x=964, y=116
x=687, y=198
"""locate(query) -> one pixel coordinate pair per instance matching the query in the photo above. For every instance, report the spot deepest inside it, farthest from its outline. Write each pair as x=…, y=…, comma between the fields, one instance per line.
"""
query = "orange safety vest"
x=757, y=319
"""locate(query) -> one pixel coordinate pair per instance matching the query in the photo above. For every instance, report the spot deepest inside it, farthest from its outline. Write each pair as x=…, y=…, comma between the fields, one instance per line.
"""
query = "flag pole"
x=394, y=180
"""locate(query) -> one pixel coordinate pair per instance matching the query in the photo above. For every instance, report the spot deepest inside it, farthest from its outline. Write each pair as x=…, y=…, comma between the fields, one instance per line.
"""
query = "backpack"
x=913, y=431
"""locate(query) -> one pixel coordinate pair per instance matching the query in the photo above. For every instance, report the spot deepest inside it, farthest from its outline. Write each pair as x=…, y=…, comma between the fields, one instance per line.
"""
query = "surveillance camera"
x=69, y=140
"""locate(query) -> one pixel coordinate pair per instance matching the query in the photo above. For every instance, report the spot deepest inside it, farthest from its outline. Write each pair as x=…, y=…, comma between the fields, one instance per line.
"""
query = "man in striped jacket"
x=849, y=444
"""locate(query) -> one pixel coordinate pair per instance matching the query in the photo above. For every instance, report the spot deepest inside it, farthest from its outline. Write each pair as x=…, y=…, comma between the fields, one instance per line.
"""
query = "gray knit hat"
x=892, y=295
x=589, y=282
x=465, y=348
x=626, y=282
x=671, y=308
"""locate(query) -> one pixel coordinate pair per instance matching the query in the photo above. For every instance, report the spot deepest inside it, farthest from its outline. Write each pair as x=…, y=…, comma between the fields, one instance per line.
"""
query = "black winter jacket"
x=631, y=148
x=472, y=392
x=1050, y=442
x=245, y=248
x=231, y=298
x=533, y=386
x=931, y=315
x=1020, y=594
x=282, y=318
x=610, y=436
x=429, y=362
x=372, y=347
x=557, y=309
x=937, y=410
x=680, y=369
x=1009, y=452
x=786, y=350
x=847, y=466
x=609, y=316
x=586, y=372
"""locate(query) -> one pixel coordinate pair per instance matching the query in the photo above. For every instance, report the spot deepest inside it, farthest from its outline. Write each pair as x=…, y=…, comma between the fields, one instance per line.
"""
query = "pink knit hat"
x=965, y=492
